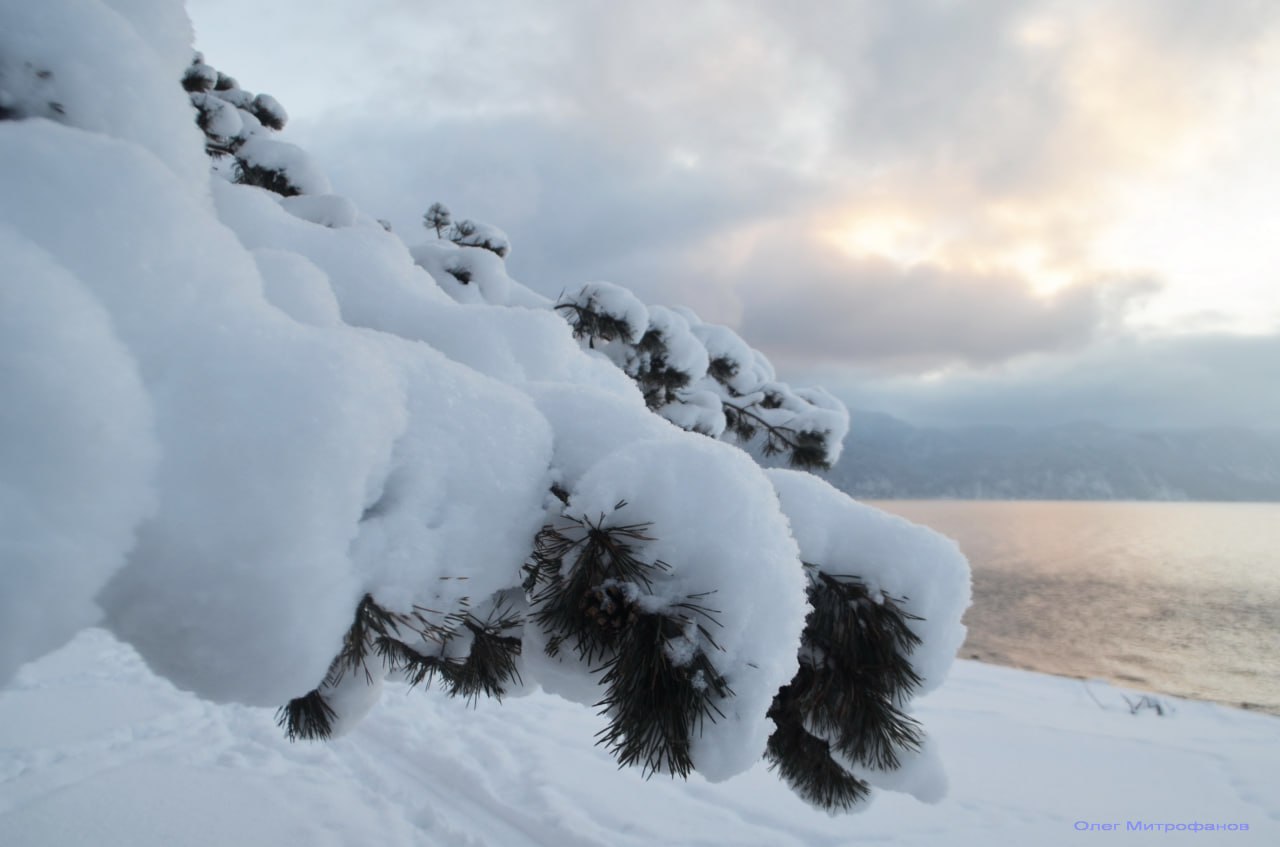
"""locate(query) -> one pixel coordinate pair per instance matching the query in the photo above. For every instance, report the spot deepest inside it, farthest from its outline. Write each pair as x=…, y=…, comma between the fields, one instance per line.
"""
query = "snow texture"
x=614, y=301
x=682, y=350
x=468, y=233
x=738, y=556
x=77, y=453
x=108, y=67
x=467, y=274
x=230, y=416
x=288, y=159
x=745, y=372
x=328, y=210
x=1031, y=756
x=922, y=570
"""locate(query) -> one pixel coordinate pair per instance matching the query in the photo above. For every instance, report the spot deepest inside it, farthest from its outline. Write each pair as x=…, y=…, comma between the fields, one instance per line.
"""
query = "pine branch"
x=592, y=325
x=655, y=704
x=804, y=449
x=590, y=598
x=375, y=631
x=854, y=673
x=859, y=650
x=723, y=369
x=586, y=581
x=804, y=761
x=272, y=179
x=657, y=380
x=491, y=663
x=309, y=717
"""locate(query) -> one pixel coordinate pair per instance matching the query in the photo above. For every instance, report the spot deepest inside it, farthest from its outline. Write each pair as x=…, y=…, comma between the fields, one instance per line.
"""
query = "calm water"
x=1181, y=598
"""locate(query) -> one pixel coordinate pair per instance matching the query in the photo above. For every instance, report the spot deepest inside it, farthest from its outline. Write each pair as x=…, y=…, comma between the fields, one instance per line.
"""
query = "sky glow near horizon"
x=950, y=211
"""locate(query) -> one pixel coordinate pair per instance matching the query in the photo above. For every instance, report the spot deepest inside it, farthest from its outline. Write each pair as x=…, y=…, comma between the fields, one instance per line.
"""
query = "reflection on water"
x=1182, y=598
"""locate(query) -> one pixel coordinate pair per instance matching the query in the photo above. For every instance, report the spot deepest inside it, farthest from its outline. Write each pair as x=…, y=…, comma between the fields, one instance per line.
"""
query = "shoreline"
x=1135, y=686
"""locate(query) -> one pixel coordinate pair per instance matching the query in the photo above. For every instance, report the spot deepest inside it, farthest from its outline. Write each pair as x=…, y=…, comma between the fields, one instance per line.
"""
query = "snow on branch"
x=589, y=587
x=265, y=448
x=706, y=379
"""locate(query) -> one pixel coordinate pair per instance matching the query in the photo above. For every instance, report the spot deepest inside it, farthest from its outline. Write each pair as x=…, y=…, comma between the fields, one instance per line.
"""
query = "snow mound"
x=77, y=453
x=234, y=421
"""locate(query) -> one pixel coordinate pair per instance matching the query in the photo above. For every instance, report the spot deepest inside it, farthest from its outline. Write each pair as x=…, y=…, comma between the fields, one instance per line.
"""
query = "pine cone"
x=609, y=607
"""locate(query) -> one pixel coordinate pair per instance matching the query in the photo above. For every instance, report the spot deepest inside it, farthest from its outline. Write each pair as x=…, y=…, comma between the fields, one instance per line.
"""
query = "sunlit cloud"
x=1063, y=172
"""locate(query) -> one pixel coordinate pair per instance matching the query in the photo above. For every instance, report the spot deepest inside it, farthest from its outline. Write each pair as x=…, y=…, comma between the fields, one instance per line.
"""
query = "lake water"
x=1180, y=598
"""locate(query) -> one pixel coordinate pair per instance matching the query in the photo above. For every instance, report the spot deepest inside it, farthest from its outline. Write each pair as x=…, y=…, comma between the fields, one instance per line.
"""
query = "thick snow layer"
x=590, y=423
x=820, y=411
x=467, y=274
x=249, y=544
x=462, y=497
x=378, y=286
x=697, y=410
x=234, y=414
x=749, y=372
x=683, y=351
x=738, y=557
x=222, y=118
x=270, y=106
x=77, y=453
x=468, y=233
x=924, y=571
x=106, y=66
x=297, y=287
x=1034, y=760
x=614, y=301
x=329, y=210
x=739, y=549
x=286, y=158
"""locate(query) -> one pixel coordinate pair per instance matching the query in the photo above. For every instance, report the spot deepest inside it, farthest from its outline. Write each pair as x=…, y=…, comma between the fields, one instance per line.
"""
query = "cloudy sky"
x=1034, y=211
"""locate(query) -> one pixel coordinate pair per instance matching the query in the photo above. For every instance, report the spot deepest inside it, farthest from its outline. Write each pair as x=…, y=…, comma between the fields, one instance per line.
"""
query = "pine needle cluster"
x=594, y=324
x=229, y=116
x=659, y=382
x=805, y=450
x=590, y=588
x=855, y=673
x=765, y=418
x=418, y=648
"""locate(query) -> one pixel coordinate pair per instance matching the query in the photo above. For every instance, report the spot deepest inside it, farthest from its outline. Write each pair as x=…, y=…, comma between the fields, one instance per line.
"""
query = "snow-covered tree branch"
x=288, y=457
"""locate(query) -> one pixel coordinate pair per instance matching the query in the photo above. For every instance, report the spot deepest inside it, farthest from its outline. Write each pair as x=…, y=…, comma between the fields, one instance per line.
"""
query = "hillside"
x=885, y=457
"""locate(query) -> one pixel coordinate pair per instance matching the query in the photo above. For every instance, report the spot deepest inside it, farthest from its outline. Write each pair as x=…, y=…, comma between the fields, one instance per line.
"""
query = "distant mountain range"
x=885, y=457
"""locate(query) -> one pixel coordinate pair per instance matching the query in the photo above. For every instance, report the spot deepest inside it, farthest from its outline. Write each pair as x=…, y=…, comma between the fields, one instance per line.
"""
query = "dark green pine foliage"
x=438, y=218
x=468, y=233
x=218, y=99
x=855, y=672
x=658, y=381
x=397, y=641
x=804, y=450
x=758, y=420
x=752, y=419
x=594, y=325
x=587, y=586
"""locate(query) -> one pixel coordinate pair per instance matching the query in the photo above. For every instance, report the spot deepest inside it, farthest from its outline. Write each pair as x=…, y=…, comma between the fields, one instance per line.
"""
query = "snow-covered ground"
x=94, y=749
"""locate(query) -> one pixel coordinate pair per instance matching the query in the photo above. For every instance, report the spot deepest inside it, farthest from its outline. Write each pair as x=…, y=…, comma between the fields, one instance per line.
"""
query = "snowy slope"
x=94, y=749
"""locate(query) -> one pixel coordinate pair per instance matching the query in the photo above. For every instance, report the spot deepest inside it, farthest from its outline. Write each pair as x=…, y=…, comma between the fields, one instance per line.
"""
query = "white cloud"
x=919, y=184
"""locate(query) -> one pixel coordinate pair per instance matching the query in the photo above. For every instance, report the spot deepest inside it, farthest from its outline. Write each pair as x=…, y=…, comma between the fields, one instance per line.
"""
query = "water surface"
x=1181, y=598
